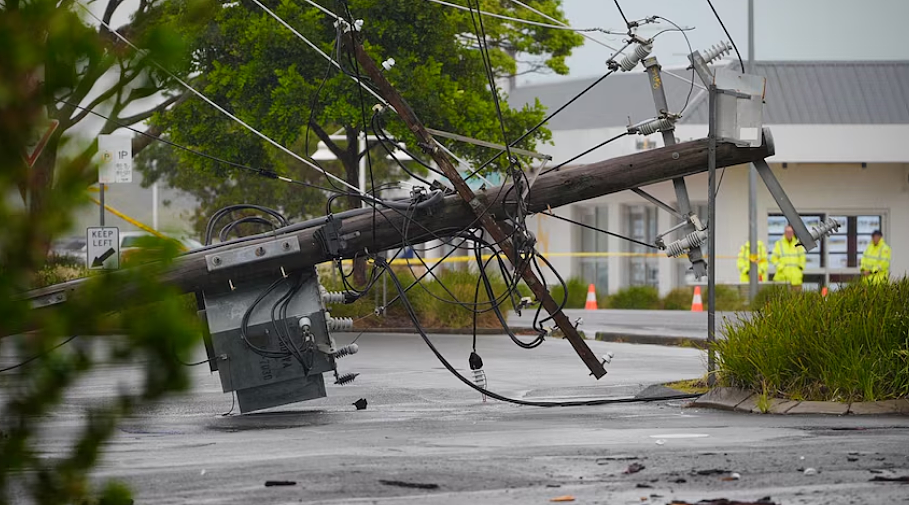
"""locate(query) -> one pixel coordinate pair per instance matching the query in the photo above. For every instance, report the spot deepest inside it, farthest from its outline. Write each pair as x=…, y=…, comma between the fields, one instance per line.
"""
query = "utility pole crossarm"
x=486, y=220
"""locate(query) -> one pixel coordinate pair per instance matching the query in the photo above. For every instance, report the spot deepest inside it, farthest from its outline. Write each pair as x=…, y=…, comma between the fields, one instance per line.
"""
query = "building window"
x=845, y=247
x=594, y=269
x=641, y=224
x=776, y=226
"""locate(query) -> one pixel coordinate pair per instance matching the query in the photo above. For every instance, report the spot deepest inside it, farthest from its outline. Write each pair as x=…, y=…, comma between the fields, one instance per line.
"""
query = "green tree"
x=259, y=70
x=109, y=77
x=150, y=334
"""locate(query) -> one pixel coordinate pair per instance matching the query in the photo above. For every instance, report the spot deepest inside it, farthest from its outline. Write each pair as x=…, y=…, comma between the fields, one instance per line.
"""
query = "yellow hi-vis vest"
x=876, y=259
x=789, y=258
x=744, y=261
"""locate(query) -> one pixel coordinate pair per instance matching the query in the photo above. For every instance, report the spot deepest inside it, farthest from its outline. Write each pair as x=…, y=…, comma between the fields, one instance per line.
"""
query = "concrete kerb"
x=631, y=338
x=742, y=400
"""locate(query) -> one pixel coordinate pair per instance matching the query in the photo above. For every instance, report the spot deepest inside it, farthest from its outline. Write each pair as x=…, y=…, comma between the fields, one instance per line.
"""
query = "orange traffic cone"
x=591, y=298
x=697, y=304
x=824, y=291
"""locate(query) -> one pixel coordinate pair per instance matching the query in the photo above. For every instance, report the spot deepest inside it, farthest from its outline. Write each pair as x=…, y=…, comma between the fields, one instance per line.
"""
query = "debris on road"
x=725, y=501
x=679, y=481
x=661, y=442
x=733, y=476
x=360, y=404
x=643, y=486
x=634, y=468
x=851, y=459
x=620, y=457
x=273, y=483
x=410, y=485
x=714, y=471
x=902, y=480
x=810, y=471
x=565, y=498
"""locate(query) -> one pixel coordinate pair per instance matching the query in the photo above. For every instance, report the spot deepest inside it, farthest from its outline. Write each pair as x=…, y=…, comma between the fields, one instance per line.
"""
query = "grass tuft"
x=850, y=346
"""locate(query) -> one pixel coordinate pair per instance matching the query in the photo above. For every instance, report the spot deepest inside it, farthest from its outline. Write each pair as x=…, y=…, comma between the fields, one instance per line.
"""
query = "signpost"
x=116, y=164
x=103, y=248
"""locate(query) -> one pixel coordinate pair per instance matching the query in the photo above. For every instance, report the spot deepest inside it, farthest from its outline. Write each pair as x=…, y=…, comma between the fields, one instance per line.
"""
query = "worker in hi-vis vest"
x=876, y=260
x=744, y=262
x=789, y=258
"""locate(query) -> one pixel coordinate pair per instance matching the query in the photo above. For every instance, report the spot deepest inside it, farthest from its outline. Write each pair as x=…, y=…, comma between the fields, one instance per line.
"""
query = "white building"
x=841, y=131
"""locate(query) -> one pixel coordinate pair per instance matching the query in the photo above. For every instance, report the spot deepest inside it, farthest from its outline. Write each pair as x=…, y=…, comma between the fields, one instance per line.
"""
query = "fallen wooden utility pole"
x=191, y=272
x=479, y=208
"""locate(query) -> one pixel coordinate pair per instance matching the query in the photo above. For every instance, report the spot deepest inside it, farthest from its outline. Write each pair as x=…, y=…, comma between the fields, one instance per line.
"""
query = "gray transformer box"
x=261, y=369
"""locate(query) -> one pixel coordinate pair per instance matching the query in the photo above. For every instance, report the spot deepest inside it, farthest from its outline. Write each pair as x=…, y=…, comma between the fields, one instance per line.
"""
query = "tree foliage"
x=260, y=71
x=152, y=321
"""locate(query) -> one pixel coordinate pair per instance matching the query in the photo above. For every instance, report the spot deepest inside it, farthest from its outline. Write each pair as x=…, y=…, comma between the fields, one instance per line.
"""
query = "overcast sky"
x=784, y=30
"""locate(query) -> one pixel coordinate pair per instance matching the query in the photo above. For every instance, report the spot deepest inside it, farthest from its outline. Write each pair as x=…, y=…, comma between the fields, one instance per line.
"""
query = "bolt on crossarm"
x=485, y=219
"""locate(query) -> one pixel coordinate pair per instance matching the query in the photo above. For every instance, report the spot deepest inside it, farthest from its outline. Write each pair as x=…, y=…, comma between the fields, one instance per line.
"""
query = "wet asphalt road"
x=657, y=323
x=422, y=427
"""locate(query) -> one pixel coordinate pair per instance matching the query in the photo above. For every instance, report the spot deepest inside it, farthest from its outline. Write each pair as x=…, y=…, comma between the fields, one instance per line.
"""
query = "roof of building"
x=798, y=92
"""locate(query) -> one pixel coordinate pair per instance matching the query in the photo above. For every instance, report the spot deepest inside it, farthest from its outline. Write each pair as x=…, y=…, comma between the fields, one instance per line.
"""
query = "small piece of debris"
x=902, y=480
x=565, y=498
x=726, y=501
x=553, y=485
x=733, y=476
x=661, y=442
x=852, y=460
x=273, y=483
x=360, y=404
x=634, y=468
x=810, y=471
x=616, y=458
x=643, y=486
x=410, y=485
x=876, y=471
x=715, y=471
x=202, y=472
x=679, y=481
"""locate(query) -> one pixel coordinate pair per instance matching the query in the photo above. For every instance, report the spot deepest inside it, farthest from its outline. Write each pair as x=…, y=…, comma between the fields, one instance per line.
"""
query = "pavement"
x=426, y=438
x=639, y=326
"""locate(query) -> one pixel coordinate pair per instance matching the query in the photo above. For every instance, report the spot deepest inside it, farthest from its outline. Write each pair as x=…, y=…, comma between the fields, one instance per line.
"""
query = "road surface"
x=670, y=323
x=425, y=438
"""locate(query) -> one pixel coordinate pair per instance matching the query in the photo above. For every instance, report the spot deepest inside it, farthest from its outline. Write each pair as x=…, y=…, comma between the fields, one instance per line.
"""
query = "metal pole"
x=752, y=181
x=711, y=237
x=101, y=199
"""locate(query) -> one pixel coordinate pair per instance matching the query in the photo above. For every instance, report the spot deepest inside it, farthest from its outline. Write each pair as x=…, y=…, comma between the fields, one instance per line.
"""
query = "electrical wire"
x=258, y=171
x=543, y=121
x=39, y=355
x=622, y=13
x=690, y=51
x=218, y=107
x=585, y=153
x=563, y=24
x=526, y=21
x=573, y=403
x=605, y=232
x=723, y=25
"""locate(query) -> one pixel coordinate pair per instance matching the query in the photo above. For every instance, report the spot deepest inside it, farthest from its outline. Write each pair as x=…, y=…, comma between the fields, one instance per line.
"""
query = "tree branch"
x=326, y=139
x=142, y=116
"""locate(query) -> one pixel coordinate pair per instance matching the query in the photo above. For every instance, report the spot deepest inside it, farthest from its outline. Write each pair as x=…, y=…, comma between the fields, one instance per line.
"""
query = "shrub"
x=768, y=293
x=637, y=297
x=577, y=293
x=678, y=299
x=850, y=346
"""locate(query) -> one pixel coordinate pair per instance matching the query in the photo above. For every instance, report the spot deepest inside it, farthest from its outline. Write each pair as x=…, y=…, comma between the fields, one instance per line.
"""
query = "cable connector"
x=650, y=126
x=716, y=52
x=826, y=228
x=346, y=27
x=641, y=51
x=687, y=243
x=347, y=350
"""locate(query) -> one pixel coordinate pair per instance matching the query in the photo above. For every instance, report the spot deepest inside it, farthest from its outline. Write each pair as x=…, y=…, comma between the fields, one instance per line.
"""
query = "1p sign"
x=103, y=248
x=116, y=163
